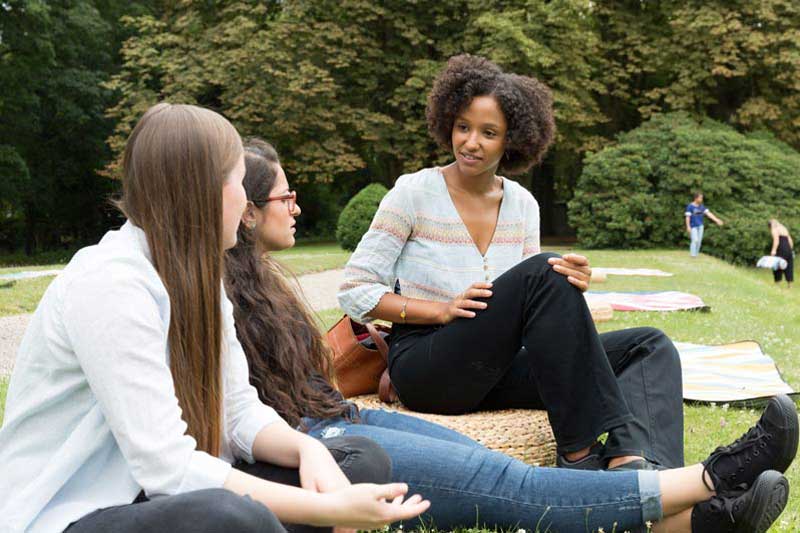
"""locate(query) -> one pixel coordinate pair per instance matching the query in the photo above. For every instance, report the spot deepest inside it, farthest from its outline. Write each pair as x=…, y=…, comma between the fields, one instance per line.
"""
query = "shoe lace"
x=756, y=437
x=728, y=505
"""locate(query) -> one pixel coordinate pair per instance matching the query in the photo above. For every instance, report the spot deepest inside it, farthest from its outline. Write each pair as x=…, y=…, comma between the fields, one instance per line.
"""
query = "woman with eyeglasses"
x=129, y=408
x=468, y=485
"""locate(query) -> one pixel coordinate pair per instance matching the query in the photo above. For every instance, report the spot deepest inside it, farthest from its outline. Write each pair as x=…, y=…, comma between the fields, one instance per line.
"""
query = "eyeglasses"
x=290, y=198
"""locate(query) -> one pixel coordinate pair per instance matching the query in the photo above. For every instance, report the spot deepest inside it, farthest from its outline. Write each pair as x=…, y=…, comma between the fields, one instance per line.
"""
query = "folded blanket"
x=773, y=262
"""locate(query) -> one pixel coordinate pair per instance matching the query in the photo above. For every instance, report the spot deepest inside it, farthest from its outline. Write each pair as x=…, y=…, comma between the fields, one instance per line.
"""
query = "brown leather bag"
x=358, y=369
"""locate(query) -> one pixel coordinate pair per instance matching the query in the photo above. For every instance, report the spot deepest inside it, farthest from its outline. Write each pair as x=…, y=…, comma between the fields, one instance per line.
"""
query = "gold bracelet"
x=403, y=311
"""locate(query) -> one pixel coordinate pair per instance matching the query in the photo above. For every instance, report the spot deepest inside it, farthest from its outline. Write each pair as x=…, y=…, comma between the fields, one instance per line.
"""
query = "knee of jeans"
x=223, y=510
x=364, y=461
x=659, y=339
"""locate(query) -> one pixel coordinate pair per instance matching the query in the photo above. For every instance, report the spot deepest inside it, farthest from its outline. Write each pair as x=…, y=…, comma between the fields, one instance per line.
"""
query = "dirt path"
x=319, y=288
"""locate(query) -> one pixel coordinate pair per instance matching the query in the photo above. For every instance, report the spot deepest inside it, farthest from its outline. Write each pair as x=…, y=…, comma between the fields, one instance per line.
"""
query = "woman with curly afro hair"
x=467, y=485
x=483, y=319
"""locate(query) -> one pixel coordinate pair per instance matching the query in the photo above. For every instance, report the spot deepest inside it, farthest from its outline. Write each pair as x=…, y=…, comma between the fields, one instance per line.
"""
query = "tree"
x=54, y=57
x=738, y=62
x=340, y=86
x=632, y=194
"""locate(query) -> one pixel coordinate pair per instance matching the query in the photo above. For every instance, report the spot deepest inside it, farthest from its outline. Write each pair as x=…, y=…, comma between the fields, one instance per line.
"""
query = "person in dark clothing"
x=782, y=246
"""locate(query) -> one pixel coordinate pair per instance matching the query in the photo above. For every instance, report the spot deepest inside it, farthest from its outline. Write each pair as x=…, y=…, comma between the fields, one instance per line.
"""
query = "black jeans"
x=785, y=251
x=220, y=510
x=627, y=383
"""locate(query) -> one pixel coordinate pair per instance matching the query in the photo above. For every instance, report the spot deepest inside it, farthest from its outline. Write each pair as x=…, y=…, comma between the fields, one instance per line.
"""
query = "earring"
x=251, y=225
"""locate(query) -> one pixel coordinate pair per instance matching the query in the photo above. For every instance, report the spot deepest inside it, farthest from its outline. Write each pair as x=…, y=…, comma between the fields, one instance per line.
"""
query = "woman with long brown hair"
x=130, y=402
x=465, y=482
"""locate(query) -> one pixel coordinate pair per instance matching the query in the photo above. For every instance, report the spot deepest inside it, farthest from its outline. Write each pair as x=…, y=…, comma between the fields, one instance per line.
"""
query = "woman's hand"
x=575, y=267
x=367, y=506
x=318, y=470
x=461, y=306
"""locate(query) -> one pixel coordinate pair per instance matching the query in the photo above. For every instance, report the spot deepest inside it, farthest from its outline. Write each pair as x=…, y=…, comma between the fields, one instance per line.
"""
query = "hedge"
x=633, y=194
x=357, y=215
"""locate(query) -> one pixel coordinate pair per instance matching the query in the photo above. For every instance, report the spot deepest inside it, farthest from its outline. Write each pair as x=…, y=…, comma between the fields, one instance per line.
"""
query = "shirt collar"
x=137, y=237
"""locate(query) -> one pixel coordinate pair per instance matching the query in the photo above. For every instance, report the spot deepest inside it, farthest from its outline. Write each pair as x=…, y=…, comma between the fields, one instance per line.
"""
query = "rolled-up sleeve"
x=119, y=335
x=370, y=272
x=245, y=414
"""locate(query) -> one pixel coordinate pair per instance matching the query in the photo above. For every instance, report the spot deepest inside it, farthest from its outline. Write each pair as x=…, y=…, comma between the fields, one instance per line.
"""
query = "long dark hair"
x=290, y=363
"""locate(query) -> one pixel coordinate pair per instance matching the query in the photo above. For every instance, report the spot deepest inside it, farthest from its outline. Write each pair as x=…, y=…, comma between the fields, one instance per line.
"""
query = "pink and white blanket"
x=647, y=301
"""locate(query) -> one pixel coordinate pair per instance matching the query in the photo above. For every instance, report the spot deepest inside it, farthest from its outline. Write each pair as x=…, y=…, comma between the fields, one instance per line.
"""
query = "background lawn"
x=308, y=258
x=745, y=305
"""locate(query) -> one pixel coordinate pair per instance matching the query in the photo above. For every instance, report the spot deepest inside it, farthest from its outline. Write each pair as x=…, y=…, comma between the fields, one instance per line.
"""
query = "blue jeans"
x=469, y=485
x=697, y=240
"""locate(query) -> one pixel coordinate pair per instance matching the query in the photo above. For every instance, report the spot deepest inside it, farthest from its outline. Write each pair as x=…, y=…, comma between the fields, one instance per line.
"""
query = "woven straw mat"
x=601, y=312
x=524, y=434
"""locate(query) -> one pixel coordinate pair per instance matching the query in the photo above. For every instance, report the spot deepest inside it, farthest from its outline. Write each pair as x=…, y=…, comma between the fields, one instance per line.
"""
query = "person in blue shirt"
x=694, y=214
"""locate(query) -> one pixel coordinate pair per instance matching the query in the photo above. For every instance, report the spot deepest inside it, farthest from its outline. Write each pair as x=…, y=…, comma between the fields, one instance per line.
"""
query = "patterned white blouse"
x=418, y=242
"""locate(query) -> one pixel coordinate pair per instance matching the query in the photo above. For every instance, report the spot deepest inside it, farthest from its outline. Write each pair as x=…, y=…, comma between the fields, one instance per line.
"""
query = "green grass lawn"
x=745, y=305
x=308, y=258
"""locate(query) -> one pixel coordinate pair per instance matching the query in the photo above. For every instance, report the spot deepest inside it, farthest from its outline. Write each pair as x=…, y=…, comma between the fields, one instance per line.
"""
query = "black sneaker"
x=593, y=461
x=769, y=445
x=744, y=511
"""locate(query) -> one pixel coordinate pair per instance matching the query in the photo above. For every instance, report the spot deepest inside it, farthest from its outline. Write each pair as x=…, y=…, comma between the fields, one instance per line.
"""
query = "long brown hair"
x=175, y=164
x=288, y=357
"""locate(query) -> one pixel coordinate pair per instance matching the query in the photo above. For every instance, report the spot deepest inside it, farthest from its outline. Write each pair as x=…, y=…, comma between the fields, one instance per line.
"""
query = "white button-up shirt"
x=91, y=415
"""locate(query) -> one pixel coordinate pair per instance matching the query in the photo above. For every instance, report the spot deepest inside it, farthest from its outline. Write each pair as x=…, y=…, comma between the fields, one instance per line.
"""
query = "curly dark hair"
x=526, y=103
x=289, y=361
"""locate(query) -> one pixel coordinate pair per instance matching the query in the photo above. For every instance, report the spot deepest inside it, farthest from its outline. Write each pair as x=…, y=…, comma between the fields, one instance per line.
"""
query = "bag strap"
x=386, y=391
x=383, y=348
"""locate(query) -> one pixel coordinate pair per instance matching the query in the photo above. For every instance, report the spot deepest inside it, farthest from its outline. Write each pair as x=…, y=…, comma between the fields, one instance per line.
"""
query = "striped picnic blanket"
x=647, y=301
x=631, y=271
x=729, y=372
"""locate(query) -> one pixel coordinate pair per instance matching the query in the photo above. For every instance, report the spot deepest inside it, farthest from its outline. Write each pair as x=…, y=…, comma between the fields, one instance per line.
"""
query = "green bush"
x=357, y=215
x=633, y=194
